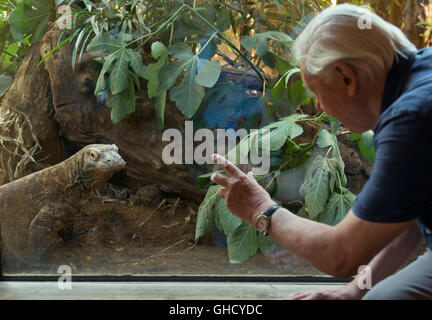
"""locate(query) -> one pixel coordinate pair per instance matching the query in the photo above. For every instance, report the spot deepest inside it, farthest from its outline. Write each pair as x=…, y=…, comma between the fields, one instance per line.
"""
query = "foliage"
x=365, y=143
x=327, y=199
x=243, y=239
x=191, y=32
x=189, y=42
x=23, y=23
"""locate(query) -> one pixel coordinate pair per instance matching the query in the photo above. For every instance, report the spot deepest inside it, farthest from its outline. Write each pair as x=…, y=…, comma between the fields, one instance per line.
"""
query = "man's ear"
x=347, y=76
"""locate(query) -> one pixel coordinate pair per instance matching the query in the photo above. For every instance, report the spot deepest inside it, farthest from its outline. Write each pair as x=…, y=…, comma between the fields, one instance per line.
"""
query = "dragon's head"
x=102, y=158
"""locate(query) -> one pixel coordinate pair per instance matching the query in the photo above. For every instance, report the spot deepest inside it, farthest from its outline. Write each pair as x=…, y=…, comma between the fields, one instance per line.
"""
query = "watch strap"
x=267, y=215
x=270, y=210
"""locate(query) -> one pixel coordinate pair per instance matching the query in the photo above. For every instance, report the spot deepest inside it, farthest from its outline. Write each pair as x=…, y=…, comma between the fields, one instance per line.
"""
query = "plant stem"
x=228, y=42
x=163, y=25
x=207, y=43
x=276, y=174
x=171, y=35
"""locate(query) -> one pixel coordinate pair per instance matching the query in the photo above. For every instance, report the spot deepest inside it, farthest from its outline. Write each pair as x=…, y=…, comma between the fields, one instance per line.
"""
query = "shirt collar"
x=396, y=78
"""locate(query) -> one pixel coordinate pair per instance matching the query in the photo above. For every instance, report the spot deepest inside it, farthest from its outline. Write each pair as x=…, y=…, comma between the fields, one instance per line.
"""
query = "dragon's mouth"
x=114, y=166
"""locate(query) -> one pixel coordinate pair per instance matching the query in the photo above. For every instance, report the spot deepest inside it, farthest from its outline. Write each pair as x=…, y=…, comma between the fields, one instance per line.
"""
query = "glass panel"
x=159, y=85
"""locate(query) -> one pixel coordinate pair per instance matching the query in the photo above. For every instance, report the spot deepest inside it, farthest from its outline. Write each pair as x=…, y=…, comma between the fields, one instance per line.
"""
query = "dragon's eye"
x=94, y=155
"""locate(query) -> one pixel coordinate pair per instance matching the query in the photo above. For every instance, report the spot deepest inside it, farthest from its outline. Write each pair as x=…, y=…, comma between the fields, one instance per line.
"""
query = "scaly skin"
x=37, y=211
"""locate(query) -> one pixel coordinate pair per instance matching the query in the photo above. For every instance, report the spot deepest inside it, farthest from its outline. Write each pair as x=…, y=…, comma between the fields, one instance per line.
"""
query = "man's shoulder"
x=417, y=93
x=413, y=108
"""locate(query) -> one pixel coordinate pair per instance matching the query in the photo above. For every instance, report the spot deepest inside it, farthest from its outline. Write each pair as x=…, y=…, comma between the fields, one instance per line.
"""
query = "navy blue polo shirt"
x=400, y=186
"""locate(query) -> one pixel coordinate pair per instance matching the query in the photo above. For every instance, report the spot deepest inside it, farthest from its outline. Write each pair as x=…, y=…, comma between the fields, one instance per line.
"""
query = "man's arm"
x=392, y=257
x=384, y=264
x=338, y=250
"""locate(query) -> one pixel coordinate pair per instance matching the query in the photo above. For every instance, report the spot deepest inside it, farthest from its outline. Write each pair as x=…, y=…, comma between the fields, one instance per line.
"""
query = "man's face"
x=341, y=98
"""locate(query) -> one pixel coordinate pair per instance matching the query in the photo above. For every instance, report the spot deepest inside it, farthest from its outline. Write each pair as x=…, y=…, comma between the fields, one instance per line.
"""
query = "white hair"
x=337, y=34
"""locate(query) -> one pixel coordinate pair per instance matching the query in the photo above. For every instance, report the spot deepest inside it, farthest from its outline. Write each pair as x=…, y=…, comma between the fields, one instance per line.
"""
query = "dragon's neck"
x=84, y=180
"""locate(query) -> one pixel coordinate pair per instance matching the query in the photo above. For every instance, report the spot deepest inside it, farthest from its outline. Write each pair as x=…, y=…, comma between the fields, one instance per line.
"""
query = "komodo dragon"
x=37, y=211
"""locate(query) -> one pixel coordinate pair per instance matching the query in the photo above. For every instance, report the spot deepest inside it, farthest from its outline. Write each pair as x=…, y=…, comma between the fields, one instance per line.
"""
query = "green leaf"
x=76, y=47
x=209, y=74
x=160, y=102
x=190, y=24
x=242, y=243
x=280, y=132
x=365, y=143
x=249, y=42
x=281, y=85
x=281, y=65
x=151, y=73
x=158, y=50
x=121, y=104
x=170, y=72
x=289, y=74
x=228, y=221
x=104, y=43
x=367, y=138
x=189, y=94
x=284, y=129
x=135, y=61
x=39, y=32
x=119, y=75
x=315, y=189
x=355, y=136
x=296, y=94
x=326, y=139
x=368, y=153
x=279, y=88
x=30, y=18
x=5, y=84
x=205, y=215
x=223, y=19
x=337, y=207
x=101, y=83
x=278, y=36
x=204, y=179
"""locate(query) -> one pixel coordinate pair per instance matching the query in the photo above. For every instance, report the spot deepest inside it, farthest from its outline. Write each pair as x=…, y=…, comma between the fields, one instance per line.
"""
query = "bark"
x=82, y=120
x=26, y=111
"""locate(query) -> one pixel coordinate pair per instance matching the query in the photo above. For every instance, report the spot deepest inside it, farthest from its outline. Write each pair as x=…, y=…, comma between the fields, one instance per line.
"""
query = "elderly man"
x=367, y=78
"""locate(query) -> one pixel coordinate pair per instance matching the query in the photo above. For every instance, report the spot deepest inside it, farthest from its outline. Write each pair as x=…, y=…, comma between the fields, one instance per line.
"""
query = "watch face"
x=261, y=224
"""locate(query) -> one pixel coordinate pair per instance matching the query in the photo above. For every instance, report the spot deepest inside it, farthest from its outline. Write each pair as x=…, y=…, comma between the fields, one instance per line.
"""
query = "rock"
x=149, y=196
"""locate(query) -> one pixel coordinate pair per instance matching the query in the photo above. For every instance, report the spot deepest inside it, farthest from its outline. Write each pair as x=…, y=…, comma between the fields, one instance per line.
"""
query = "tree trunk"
x=28, y=134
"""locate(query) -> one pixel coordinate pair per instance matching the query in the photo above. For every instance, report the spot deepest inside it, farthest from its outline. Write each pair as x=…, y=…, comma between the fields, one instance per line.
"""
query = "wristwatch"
x=262, y=222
